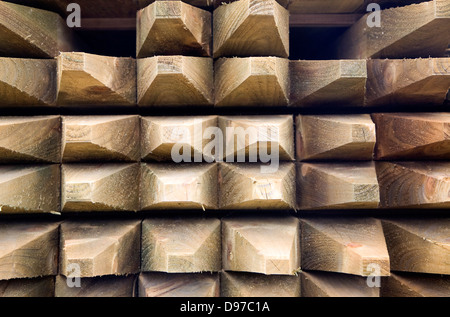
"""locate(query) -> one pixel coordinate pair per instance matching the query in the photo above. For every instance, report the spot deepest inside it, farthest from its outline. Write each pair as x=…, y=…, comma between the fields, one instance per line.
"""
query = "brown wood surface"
x=28, y=249
x=159, y=135
x=328, y=284
x=337, y=186
x=89, y=79
x=246, y=186
x=324, y=6
x=344, y=245
x=175, y=81
x=407, y=82
x=100, y=138
x=103, y=286
x=412, y=136
x=30, y=139
x=261, y=245
x=414, y=184
x=335, y=137
x=251, y=81
x=99, y=247
x=179, y=285
x=29, y=189
x=99, y=187
x=34, y=33
x=18, y=84
x=89, y=8
x=326, y=83
x=28, y=287
x=178, y=186
x=418, y=244
x=173, y=28
x=415, y=285
x=101, y=8
x=251, y=28
x=183, y=245
x=323, y=20
x=254, y=135
x=242, y=284
x=416, y=30
x=205, y=4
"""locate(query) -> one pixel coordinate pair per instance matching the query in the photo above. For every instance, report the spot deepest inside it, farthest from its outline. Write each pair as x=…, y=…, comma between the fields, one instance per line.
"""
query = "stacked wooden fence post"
x=214, y=160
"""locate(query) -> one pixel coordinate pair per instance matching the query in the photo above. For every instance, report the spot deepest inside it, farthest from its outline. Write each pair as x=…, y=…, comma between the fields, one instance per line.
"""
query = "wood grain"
x=34, y=33
x=18, y=84
x=30, y=139
x=100, y=187
x=407, y=82
x=89, y=8
x=173, y=28
x=175, y=81
x=337, y=186
x=327, y=83
x=335, y=137
x=418, y=244
x=416, y=285
x=99, y=247
x=29, y=189
x=328, y=284
x=414, y=184
x=178, y=186
x=245, y=186
x=28, y=249
x=253, y=135
x=251, y=81
x=104, y=286
x=344, y=245
x=251, y=28
x=179, y=285
x=416, y=30
x=89, y=79
x=182, y=245
x=330, y=20
x=241, y=284
x=261, y=245
x=100, y=138
x=159, y=135
x=324, y=6
x=28, y=287
x=412, y=136
x=206, y=4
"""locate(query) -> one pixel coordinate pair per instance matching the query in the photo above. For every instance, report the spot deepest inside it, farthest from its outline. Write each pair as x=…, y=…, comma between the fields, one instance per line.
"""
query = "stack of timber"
x=147, y=200
x=413, y=165
x=30, y=148
x=383, y=160
x=99, y=173
x=109, y=184
x=174, y=66
x=260, y=255
x=251, y=44
x=336, y=168
x=370, y=68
